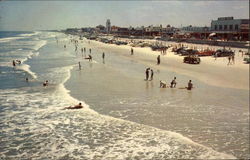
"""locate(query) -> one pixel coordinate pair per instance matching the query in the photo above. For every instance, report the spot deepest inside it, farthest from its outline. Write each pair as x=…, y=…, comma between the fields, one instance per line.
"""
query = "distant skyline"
x=48, y=15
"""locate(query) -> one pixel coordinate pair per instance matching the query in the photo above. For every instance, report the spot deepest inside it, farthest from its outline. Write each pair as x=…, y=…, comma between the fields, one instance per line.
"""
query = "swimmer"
x=46, y=83
x=13, y=63
x=89, y=58
x=163, y=84
x=79, y=106
x=18, y=61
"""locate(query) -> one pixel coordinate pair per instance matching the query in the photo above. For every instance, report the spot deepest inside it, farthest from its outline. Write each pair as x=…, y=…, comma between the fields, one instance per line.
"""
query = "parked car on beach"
x=223, y=53
x=192, y=60
x=247, y=60
x=205, y=53
x=186, y=52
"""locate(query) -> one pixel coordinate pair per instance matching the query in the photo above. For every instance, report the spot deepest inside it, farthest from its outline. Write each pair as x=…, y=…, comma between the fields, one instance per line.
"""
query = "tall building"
x=230, y=28
x=108, y=26
x=229, y=24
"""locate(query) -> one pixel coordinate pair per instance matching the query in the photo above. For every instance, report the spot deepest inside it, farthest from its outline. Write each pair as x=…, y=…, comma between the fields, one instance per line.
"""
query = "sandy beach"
x=211, y=71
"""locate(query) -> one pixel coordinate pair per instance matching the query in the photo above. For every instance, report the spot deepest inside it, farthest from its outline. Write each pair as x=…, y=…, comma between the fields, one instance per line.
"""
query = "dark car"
x=186, y=52
x=223, y=53
x=178, y=50
x=192, y=60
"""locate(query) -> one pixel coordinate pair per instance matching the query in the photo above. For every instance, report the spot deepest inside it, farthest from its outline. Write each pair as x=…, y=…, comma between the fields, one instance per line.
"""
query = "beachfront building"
x=100, y=29
x=153, y=30
x=168, y=31
x=195, y=32
x=228, y=28
x=108, y=26
x=114, y=29
x=72, y=30
x=120, y=31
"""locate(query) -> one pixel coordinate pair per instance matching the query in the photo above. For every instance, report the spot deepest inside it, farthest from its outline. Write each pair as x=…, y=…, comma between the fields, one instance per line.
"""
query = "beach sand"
x=211, y=71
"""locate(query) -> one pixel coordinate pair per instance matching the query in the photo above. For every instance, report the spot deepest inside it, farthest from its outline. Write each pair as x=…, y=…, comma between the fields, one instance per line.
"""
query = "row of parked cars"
x=192, y=55
x=183, y=51
x=111, y=41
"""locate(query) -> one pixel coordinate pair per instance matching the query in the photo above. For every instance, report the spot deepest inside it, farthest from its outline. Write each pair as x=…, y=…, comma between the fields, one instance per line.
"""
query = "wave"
x=4, y=40
x=29, y=34
x=26, y=68
x=40, y=45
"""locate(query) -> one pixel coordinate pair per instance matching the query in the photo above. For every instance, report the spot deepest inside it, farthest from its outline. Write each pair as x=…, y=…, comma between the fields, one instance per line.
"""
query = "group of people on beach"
x=231, y=59
x=163, y=84
x=147, y=74
x=163, y=50
x=173, y=83
x=17, y=61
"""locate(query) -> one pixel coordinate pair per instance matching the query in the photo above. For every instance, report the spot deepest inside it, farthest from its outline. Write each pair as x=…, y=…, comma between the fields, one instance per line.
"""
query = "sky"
x=47, y=15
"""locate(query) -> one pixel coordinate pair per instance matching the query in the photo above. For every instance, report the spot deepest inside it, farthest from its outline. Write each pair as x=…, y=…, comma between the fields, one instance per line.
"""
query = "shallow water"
x=34, y=126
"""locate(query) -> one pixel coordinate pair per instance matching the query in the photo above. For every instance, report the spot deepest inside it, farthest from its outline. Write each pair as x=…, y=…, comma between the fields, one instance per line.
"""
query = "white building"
x=229, y=24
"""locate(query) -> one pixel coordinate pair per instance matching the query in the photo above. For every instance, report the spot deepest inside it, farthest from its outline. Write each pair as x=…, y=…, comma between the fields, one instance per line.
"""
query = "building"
x=193, y=29
x=230, y=28
x=100, y=28
x=108, y=26
x=114, y=29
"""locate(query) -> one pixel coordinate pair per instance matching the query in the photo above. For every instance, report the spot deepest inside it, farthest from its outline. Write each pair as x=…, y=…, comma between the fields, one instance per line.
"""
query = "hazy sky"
x=37, y=15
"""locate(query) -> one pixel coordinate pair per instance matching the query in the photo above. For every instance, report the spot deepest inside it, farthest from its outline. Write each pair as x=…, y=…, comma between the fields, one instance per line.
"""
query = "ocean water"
x=118, y=121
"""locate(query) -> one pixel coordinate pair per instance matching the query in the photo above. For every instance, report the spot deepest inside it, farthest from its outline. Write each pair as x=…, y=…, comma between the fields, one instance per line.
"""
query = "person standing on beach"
x=84, y=49
x=190, y=85
x=152, y=75
x=229, y=60
x=64, y=46
x=158, y=60
x=147, y=73
x=79, y=64
x=90, y=50
x=75, y=48
x=103, y=56
x=173, y=83
x=233, y=58
x=132, y=51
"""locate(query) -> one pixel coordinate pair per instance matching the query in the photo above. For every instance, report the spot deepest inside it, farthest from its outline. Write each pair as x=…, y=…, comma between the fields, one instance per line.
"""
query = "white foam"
x=40, y=45
x=29, y=34
x=26, y=68
x=3, y=40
